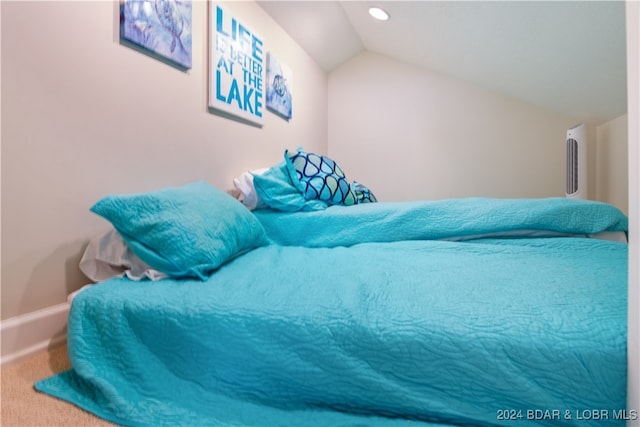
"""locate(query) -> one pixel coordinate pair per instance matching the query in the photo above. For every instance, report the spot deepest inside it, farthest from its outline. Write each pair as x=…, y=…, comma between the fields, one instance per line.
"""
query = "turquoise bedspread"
x=410, y=332
x=455, y=219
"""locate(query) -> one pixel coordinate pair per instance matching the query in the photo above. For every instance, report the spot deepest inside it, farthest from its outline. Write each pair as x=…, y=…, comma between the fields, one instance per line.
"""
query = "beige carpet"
x=23, y=406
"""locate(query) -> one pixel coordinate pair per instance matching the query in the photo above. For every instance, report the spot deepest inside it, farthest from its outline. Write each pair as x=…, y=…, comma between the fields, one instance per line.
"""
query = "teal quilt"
x=452, y=219
x=398, y=329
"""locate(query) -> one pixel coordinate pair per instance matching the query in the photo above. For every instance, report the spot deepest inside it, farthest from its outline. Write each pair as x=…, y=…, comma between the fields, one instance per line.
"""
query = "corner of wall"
x=611, y=173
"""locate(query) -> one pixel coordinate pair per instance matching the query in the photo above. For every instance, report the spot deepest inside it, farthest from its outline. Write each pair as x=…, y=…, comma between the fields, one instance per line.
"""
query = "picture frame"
x=279, y=87
x=160, y=28
x=236, y=68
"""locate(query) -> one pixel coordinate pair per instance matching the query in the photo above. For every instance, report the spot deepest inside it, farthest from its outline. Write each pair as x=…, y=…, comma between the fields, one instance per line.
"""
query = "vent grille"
x=572, y=166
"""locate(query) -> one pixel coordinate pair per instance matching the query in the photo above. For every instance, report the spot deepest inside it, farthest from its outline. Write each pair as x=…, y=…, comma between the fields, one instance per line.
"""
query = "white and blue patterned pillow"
x=321, y=178
x=363, y=194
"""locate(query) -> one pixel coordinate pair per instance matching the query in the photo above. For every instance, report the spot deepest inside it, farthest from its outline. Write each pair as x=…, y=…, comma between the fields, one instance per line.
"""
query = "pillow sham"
x=275, y=189
x=186, y=231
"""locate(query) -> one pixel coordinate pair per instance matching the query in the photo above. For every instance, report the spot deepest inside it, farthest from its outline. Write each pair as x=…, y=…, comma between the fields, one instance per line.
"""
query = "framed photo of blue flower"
x=160, y=28
x=279, y=84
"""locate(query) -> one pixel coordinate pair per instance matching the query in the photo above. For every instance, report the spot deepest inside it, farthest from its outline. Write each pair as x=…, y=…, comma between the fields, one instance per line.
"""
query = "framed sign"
x=236, y=68
x=161, y=29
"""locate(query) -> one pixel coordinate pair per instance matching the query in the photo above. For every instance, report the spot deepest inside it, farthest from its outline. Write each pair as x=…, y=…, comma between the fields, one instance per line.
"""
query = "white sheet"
x=107, y=256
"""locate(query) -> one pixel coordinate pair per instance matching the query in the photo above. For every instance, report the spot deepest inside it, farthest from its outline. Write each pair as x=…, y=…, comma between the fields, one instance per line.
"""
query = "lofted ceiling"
x=564, y=56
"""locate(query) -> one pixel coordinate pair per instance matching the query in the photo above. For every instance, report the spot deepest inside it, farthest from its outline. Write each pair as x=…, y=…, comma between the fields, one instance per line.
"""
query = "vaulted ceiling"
x=565, y=56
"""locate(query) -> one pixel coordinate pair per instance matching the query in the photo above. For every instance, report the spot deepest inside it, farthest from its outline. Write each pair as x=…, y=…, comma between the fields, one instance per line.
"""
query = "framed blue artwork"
x=279, y=83
x=161, y=28
x=236, y=68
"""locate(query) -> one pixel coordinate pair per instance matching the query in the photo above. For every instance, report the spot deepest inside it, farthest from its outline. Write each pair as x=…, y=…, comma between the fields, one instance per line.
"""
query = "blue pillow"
x=186, y=231
x=275, y=189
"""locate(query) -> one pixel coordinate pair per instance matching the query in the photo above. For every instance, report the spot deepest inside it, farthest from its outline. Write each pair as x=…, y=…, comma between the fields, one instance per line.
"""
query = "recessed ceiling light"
x=378, y=13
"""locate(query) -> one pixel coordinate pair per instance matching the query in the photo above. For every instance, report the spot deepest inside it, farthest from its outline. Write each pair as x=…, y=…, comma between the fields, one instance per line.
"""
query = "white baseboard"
x=30, y=333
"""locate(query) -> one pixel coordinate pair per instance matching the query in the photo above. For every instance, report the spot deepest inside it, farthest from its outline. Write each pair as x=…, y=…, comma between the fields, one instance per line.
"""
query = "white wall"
x=409, y=133
x=84, y=116
x=612, y=180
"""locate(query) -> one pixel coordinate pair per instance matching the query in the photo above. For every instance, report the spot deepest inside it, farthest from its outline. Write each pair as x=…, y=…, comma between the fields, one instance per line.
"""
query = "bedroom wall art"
x=236, y=68
x=279, y=81
x=161, y=28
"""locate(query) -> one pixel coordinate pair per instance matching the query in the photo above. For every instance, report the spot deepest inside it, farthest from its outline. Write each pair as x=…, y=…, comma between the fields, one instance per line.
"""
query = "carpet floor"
x=23, y=406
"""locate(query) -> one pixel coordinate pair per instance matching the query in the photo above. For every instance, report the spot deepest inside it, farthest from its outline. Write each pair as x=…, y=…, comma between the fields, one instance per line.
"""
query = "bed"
x=473, y=311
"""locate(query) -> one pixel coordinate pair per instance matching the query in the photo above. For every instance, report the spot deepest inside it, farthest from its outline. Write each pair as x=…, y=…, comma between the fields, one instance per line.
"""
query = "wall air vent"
x=576, y=184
